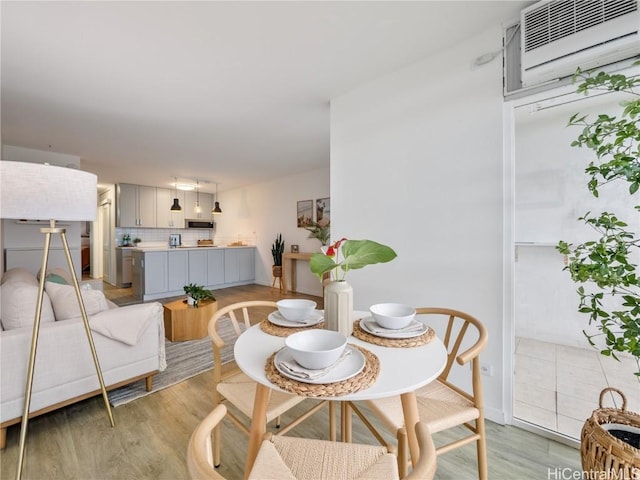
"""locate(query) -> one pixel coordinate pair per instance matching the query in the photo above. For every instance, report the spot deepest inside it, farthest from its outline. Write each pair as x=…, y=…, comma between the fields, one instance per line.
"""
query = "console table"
x=289, y=263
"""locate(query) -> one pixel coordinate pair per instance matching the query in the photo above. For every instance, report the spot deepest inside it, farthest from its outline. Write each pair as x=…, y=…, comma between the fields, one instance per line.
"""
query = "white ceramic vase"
x=338, y=307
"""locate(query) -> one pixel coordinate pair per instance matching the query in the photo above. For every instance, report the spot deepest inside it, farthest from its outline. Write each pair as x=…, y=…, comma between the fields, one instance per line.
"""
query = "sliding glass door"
x=557, y=375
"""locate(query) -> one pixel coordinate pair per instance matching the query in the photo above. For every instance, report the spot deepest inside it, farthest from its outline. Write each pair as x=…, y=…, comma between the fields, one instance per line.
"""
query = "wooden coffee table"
x=182, y=322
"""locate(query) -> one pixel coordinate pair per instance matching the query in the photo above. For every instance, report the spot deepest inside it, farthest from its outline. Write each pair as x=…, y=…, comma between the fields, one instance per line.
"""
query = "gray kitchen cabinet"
x=149, y=274
x=190, y=202
x=135, y=206
x=215, y=267
x=198, y=267
x=231, y=263
x=165, y=217
x=246, y=264
x=164, y=273
x=163, y=205
x=178, y=269
x=239, y=265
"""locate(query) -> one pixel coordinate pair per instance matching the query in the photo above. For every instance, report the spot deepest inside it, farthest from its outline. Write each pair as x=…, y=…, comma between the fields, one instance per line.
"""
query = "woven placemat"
x=363, y=335
x=278, y=331
x=363, y=380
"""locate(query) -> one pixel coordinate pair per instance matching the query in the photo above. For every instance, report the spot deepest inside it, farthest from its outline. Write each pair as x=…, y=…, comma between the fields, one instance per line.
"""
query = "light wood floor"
x=151, y=435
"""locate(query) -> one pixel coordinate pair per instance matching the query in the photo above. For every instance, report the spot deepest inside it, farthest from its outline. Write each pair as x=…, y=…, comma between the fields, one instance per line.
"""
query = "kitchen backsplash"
x=189, y=236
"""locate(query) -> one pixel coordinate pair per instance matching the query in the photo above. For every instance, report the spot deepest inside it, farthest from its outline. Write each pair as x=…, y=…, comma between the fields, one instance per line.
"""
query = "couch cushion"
x=19, y=275
x=18, y=306
x=65, y=303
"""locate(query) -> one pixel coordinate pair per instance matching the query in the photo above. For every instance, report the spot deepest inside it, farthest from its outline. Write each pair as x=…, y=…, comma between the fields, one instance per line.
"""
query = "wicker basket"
x=603, y=455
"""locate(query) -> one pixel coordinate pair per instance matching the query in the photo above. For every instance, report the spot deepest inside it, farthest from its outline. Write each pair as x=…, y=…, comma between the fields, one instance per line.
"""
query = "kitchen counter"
x=161, y=271
x=188, y=247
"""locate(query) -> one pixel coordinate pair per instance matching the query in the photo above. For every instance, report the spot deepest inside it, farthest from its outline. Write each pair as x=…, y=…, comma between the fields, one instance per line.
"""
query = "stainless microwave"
x=198, y=224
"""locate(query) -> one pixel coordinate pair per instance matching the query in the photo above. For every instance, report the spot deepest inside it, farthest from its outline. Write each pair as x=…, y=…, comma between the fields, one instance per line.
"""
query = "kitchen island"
x=159, y=272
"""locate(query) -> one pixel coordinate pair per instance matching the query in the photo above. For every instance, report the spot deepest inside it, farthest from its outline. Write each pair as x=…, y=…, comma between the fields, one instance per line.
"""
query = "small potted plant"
x=335, y=262
x=320, y=231
x=276, y=251
x=197, y=293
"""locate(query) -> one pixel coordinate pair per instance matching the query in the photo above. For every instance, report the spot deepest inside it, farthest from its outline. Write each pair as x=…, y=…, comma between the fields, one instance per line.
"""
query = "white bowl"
x=296, y=309
x=392, y=315
x=317, y=348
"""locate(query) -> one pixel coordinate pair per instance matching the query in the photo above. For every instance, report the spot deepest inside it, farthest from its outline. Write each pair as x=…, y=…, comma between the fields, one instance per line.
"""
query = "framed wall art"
x=305, y=213
x=323, y=211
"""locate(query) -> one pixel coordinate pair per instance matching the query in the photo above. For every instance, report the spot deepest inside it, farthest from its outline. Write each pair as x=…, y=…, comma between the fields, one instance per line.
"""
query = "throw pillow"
x=61, y=272
x=55, y=278
x=65, y=303
x=18, y=306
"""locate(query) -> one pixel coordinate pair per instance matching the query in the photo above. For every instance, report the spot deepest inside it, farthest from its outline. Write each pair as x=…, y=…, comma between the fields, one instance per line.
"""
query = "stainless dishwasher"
x=123, y=267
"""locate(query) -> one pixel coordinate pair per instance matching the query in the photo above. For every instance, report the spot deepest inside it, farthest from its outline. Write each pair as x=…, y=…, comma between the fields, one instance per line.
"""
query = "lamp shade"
x=216, y=206
x=33, y=191
x=176, y=206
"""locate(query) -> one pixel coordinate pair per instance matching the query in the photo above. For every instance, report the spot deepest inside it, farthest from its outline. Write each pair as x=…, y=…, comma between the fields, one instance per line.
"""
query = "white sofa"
x=129, y=343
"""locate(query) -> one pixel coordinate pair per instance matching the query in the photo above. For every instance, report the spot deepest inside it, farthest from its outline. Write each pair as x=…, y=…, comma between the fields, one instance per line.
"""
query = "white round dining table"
x=402, y=371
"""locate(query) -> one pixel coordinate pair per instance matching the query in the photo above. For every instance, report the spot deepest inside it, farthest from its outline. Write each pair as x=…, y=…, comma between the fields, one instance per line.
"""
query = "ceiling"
x=232, y=93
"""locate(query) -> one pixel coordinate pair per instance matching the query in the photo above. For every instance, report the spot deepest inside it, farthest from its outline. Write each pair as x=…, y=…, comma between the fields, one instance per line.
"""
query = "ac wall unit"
x=558, y=36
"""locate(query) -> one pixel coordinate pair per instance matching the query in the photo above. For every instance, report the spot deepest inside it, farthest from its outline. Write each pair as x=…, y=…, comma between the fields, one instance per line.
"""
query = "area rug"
x=126, y=300
x=184, y=360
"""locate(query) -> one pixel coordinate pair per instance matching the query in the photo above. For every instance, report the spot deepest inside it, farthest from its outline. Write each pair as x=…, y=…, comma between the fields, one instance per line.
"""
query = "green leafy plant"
x=198, y=293
x=319, y=231
x=276, y=250
x=610, y=287
x=345, y=255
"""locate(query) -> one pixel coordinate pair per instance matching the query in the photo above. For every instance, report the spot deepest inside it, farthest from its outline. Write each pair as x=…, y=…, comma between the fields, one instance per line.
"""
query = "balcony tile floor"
x=557, y=387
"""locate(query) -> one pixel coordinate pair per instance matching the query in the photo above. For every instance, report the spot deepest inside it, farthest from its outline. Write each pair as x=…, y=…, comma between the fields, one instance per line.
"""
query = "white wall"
x=263, y=210
x=416, y=163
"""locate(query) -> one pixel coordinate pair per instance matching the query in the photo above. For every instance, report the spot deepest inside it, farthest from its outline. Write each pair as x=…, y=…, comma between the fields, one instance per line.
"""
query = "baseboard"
x=495, y=415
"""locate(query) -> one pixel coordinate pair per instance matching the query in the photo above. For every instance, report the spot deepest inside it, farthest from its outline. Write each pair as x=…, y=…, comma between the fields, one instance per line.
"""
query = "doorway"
x=105, y=236
x=557, y=375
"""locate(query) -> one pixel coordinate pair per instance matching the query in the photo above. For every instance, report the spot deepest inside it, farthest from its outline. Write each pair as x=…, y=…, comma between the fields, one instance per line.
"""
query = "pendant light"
x=216, y=209
x=197, y=209
x=176, y=204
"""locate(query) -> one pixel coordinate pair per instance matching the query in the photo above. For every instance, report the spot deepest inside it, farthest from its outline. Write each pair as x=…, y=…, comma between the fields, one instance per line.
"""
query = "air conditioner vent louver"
x=558, y=36
x=555, y=20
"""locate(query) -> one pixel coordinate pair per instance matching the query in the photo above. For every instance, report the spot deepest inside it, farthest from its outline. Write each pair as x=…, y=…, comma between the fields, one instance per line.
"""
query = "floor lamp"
x=32, y=191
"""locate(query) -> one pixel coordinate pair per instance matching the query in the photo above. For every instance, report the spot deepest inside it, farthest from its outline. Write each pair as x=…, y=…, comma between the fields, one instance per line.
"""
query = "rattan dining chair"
x=199, y=451
x=239, y=390
x=292, y=458
x=441, y=404
x=308, y=459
